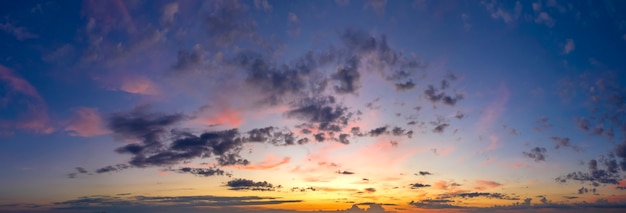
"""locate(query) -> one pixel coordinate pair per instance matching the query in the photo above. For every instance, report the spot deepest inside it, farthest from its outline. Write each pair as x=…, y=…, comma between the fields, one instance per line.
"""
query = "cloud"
x=262, y=5
x=169, y=13
x=405, y=86
x=116, y=168
x=378, y=131
x=276, y=82
x=22, y=106
x=439, y=128
x=348, y=77
x=620, y=151
x=542, y=123
x=445, y=185
x=545, y=18
x=434, y=96
x=435, y=204
x=499, y=12
x=564, y=142
x=222, y=115
x=150, y=129
x=369, y=190
x=423, y=173
x=293, y=23
x=466, y=195
x=603, y=171
x=245, y=184
x=164, y=203
x=87, y=122
x=269, y=163
x=20, y=33
x=378, y=6
x=569, y=46
x=227, y=22
x=202, y=172
x=485, y=184
x=81, y=170
x=537, y=154
x=187, y=60
x=322, y=111
x=156, y=142
x=345, y=172
x=584, y=190
x=418, y=185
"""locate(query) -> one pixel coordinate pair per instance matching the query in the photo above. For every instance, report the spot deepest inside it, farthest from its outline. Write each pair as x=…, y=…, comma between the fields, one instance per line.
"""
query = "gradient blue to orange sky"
x=291, y=106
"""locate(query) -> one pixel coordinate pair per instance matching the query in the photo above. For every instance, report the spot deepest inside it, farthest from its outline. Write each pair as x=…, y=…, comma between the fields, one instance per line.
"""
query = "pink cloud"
x=445, y=185
x=23, y=96
x=86, y=122
x=387, y=155
x=110, y=15
x=495, y=109
x=138, y=85
x=224, y=115
x=486, y=184
x=271, y=161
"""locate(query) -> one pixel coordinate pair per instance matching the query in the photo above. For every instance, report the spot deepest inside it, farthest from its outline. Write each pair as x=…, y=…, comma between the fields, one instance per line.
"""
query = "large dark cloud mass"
x=606, y=170
x=245, y=184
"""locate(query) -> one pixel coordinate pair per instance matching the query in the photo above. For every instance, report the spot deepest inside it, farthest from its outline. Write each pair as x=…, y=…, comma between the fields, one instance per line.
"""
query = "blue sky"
x=284, y=106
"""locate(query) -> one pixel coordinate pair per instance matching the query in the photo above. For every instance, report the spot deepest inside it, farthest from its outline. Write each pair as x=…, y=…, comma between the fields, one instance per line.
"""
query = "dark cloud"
x=542, y=123
x=322, y=111
x=343, y=138
x=272, y=135
x=459, y=115
x=245, y=184
x=203, y=172
x=583, y=124
x=564, y=142
x=188, y=59
x=439, y=128
x=603, y=171
x=537, y=154
x=423, y=173
x=479, y=194
x=584, y=190
x=418, y=185
x=320, y=137
x=228, y=22
x=345, y=172
x=440, y=124
x=405, y=86
x=434, y=96
x=115, y=168
x=444, y=84
x=81, y=170
x=378, y=131
x=163, y=145
x=620, y=151
x=348, y=77
x=435, y=204
x=398, y=131
x=356, y=131
x=139, y=124
x=369, y=190
x=276, y=82
x=162, y=203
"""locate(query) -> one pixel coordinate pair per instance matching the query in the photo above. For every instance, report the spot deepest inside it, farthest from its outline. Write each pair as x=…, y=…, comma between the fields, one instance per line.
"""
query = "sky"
x=326, y=106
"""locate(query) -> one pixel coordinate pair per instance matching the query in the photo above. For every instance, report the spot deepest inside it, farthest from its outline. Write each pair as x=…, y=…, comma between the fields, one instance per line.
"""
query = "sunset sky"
x=289, y=106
